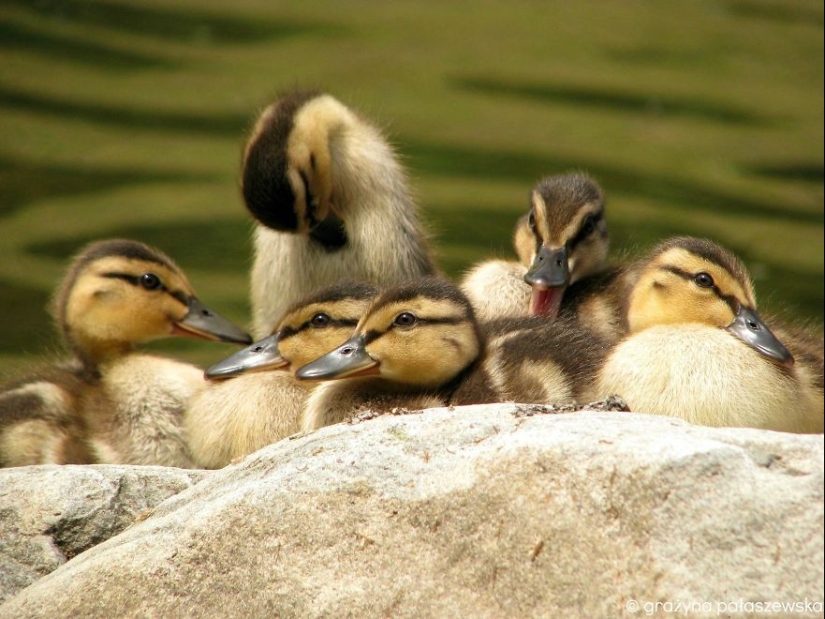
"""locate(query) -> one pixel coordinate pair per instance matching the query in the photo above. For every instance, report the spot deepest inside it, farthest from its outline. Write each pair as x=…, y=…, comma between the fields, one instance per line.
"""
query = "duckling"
x=110, y=403
x=258, y=406
x=331, y=203
x=412, y=348
x=697, y=348
x=562, y=240
x=419, y=346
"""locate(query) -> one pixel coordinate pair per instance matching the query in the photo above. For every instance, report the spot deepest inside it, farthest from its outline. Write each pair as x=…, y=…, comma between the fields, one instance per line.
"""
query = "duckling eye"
x=150, y=281
x=319, y=320
x=589, y=226
x=405, y=319
x=703, y=280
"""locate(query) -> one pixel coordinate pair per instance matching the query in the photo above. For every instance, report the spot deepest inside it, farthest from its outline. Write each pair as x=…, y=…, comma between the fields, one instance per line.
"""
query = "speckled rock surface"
x=49, y=514
x=487, y=511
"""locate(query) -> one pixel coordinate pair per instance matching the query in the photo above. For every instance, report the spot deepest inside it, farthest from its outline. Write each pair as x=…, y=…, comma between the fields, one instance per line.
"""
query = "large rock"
x=49, y=514
x=488, y=511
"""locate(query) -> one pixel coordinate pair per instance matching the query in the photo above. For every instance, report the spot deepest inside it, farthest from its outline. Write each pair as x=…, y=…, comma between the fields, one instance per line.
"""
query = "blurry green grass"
x=128, y=118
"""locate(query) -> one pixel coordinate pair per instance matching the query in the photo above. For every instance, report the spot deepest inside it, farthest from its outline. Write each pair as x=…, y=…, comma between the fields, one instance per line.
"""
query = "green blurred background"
x=117, y=118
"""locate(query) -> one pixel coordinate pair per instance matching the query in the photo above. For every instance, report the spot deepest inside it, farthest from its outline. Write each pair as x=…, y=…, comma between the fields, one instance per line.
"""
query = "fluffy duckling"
x=562, y=240
x=697, y=348
x=112, y=404
x=412, y=348
x=258, y=406
x=419, y=346
x=331, y=201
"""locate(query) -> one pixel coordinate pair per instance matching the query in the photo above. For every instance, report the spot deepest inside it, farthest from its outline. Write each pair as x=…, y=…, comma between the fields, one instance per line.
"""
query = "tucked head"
x=287, y=173
x=119, y=293
x=690, y=280
x=310, y=328
x=420, y=334
x=562, y=239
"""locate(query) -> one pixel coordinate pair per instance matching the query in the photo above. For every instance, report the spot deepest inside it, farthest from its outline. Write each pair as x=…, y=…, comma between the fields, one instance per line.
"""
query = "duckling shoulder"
x=497, y=289
x=135, y=411
x=234, y=418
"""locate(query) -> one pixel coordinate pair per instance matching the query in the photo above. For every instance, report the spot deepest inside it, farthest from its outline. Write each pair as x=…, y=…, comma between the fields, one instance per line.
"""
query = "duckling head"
x=562, y=239
x=287, y=176
x=690, y=280
x=121, y=293
x=310, y=328
x=421, y=334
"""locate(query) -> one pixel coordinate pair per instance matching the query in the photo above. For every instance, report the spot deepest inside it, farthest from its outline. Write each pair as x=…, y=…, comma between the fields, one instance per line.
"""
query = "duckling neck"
x=93, y=352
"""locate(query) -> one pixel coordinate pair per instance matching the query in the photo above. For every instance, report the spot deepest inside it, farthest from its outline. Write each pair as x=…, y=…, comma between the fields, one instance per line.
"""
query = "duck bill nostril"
x=750, y=328
x=259, y=357
x=549, y=269
x=347, y=361
x=202, y=322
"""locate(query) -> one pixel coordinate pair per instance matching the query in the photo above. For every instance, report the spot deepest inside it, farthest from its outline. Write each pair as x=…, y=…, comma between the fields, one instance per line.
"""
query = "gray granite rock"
x=488, y=511
x=49, y=514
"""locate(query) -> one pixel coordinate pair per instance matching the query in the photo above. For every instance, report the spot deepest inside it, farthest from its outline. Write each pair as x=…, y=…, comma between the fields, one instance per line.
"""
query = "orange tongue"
x=546, y=302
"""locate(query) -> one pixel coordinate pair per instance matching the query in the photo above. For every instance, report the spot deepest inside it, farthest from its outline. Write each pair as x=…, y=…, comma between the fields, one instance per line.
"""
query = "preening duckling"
x=111, y=404
x=332, y=203
x=698, y=350
x=262, y=402
x=562, y=240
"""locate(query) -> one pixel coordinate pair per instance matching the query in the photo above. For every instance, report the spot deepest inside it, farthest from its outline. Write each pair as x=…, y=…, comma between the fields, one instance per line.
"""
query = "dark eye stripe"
x=732, y=301
x=135, y=281
x=581, y=235
x=374, y=334
x=132, y=279
x=288, y=332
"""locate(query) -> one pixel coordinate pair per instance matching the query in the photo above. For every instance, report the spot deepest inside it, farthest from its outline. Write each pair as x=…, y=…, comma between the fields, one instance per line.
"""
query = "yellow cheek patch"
x=310, y=344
